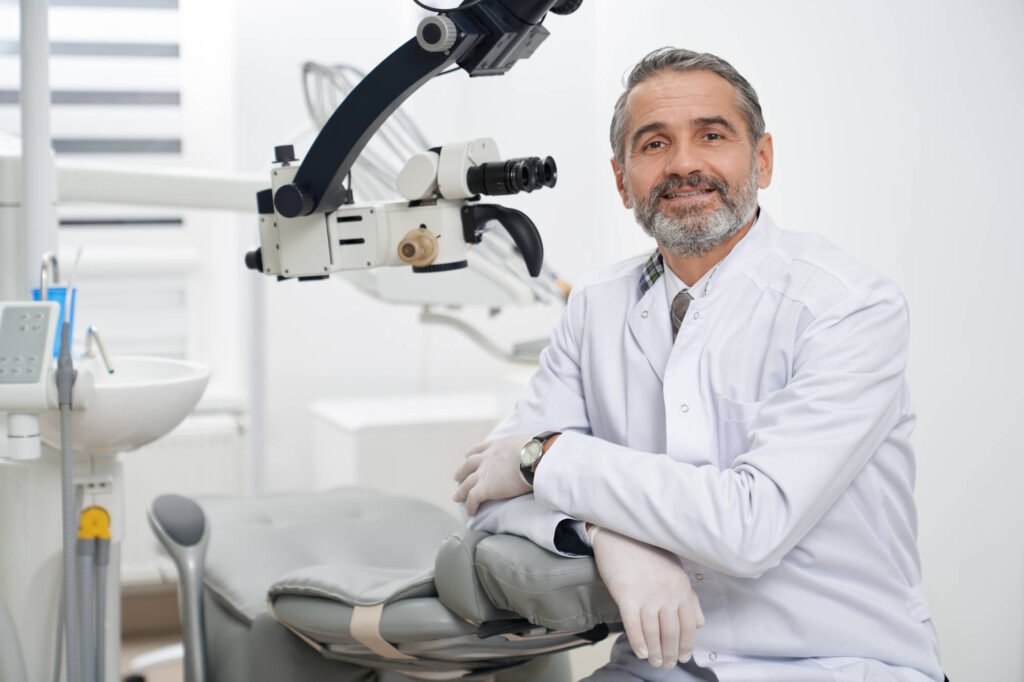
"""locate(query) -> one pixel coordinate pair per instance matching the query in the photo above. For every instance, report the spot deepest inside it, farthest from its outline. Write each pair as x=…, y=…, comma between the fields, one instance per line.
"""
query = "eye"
x=713, y=137
x=654, y=144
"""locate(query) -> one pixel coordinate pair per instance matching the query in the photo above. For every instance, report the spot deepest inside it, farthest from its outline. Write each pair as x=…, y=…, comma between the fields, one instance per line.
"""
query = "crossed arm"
x=809, y=441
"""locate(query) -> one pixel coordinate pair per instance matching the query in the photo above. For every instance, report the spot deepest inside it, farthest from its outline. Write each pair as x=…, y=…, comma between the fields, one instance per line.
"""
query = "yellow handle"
x=94, y=524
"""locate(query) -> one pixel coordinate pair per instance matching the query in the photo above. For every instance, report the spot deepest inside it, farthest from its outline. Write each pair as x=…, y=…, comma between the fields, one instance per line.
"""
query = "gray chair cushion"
x=455, y=576
x=256, y=541
x=321, y=555
x=358, y=584
x=564, y=594
x=408, y=620
x=317, y=603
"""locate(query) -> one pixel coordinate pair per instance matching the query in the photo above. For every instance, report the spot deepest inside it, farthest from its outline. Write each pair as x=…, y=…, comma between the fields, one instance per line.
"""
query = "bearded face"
x=688, y=165
x=691, y=215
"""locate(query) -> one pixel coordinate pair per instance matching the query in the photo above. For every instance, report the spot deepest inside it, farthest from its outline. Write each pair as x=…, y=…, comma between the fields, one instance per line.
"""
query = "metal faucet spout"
x=48, y=267
x=93, y=334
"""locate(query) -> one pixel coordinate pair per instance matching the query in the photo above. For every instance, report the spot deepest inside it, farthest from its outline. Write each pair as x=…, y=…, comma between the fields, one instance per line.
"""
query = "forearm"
x=808, y=442
x=695, y=512
x=741, y=520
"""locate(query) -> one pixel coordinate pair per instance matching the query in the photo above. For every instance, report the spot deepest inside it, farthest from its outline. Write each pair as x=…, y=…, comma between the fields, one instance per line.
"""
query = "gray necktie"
x=680, y=304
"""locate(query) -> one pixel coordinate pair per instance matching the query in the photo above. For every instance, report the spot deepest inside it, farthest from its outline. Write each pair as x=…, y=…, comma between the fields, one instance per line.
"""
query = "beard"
x=691, y=230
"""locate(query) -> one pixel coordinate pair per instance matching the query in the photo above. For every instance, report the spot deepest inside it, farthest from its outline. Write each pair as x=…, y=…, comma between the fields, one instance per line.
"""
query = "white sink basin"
x=141, y=401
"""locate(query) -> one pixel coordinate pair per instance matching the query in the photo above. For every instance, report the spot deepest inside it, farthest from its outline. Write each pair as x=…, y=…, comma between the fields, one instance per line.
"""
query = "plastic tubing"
x=59, y=644
x=65, y=381
x=102, y=561
x=87, y=610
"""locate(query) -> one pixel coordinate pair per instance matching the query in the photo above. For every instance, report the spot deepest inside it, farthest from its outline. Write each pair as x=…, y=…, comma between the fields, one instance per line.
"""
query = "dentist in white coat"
x=726, y=421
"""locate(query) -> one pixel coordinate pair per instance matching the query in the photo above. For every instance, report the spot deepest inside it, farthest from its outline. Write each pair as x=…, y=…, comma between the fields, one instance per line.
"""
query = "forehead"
x=681, y=96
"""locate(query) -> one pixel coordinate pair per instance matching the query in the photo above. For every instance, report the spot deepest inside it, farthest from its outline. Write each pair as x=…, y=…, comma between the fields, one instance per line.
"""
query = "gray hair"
x=674, y=59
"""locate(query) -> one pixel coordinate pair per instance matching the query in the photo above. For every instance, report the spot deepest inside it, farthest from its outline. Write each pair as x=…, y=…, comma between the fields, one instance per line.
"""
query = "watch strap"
x=543, y=437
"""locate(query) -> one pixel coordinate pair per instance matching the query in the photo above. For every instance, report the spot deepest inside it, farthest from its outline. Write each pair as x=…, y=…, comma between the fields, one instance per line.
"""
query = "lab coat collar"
x=743, y=258
x=649, y=323
x=648, y=319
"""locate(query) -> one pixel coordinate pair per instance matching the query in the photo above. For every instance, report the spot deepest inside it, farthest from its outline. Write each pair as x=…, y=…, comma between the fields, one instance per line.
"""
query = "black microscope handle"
x=522, y=230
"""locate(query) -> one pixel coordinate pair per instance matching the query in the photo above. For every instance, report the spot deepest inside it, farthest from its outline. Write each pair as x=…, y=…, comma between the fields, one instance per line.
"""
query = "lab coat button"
x=644, y=314
x=713, y=656
x=696, y=316
x=684, y=407
x=699, y=577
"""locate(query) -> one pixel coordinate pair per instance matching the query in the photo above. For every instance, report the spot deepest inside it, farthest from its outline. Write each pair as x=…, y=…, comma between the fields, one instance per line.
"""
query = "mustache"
x=692, y=181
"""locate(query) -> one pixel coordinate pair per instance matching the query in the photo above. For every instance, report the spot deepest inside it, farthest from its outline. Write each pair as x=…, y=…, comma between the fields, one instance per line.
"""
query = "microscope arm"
x=486, y=38
x=318, y=185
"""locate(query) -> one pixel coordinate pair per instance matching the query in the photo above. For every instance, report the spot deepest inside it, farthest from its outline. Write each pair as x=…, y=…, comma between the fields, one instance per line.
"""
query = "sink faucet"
x=49, y=267
x=93, y=334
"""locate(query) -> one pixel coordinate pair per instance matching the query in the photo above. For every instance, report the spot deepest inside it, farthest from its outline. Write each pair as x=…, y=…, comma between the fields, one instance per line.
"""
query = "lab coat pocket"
x=734, y=422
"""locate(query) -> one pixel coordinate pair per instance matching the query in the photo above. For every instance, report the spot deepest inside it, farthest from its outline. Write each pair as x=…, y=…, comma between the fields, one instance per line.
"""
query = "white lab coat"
x=768, y=447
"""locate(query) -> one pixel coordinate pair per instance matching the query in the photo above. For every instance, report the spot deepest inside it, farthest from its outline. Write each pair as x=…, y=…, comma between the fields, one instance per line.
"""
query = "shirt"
x=673, y=285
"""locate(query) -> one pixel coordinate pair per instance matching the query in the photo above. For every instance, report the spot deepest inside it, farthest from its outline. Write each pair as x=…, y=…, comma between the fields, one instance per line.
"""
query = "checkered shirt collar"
x=652, y=271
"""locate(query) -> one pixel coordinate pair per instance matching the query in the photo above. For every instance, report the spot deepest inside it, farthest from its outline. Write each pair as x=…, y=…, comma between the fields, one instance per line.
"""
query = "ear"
x=765, y=160
x=620, y=184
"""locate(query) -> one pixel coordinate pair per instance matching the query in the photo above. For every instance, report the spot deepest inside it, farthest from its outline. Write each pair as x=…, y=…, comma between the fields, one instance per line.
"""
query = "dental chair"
x=353, y=585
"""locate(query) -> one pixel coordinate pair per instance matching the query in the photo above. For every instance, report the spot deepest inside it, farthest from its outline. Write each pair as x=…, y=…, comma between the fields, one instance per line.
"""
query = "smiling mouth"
x=688, y=194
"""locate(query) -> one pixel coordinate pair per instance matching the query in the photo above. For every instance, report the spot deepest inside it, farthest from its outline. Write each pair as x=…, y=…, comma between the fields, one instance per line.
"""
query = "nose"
x=683, y=159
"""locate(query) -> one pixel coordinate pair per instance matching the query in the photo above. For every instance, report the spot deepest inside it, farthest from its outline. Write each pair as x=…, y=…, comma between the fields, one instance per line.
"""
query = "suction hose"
x=69, y=524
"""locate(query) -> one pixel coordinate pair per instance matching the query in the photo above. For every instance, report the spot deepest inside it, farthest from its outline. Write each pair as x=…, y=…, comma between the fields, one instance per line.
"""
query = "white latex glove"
x=659, y=609
x=491, y=472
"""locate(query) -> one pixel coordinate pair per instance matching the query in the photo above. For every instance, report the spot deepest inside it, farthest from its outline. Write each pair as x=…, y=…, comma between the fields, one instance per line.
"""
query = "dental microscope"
x=310, y=226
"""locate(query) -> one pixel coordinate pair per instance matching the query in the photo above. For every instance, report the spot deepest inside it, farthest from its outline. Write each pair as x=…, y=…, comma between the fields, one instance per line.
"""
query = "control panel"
x=27, y=332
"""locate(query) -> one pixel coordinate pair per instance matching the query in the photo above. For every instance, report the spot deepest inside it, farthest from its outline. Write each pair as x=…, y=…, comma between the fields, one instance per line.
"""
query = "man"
x=727, y=418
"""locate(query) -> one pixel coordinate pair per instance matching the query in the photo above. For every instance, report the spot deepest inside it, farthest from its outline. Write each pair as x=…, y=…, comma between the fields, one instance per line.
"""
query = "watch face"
x=530, y=453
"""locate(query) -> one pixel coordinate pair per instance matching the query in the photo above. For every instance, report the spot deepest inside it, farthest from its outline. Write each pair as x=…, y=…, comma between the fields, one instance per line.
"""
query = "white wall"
x=897, y=134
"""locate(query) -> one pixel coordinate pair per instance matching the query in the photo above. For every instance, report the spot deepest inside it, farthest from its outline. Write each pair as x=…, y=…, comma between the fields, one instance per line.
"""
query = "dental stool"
x=353, y=585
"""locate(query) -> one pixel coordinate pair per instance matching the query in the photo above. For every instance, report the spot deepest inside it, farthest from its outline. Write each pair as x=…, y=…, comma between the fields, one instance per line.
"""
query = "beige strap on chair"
x=365, y=629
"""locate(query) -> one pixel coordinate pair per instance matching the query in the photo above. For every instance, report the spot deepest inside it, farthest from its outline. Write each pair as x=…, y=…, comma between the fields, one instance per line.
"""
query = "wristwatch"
x=529, y=456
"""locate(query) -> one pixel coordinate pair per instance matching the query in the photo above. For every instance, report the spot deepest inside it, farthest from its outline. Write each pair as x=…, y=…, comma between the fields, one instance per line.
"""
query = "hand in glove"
x=491, y=472
x=659, y=609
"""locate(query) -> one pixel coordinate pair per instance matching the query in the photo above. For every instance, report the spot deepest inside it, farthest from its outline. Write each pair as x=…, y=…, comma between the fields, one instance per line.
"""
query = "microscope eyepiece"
x=512, y=176
x=547, y=172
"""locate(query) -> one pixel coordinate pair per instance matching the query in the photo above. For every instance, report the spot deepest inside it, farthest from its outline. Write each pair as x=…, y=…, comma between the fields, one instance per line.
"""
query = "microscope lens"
x=513, y=176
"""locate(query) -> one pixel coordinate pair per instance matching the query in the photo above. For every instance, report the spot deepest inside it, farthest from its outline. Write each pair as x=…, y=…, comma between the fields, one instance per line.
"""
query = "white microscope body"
x=431, y=231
